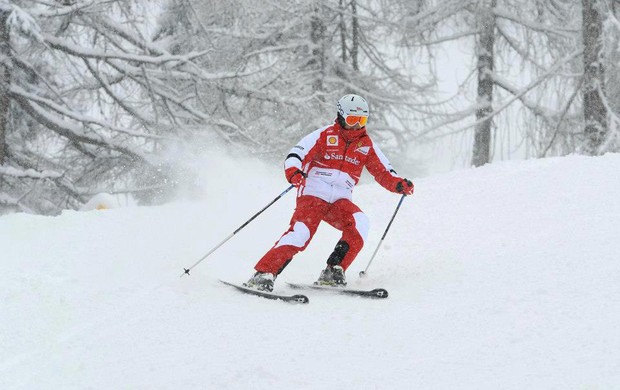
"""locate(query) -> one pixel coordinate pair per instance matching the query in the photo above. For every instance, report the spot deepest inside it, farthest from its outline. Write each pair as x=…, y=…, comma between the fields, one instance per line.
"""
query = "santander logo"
x=340, y=157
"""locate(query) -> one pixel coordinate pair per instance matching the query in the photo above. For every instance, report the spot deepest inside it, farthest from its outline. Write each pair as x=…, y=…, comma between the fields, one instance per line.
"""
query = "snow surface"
x=501, y=277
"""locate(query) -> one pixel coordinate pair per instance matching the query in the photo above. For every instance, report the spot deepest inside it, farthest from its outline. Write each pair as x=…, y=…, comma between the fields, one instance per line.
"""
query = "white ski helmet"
x=353, y=105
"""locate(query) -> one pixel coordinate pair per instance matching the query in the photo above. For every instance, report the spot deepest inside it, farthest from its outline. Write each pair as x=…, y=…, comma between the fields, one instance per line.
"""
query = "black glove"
x=405, y=187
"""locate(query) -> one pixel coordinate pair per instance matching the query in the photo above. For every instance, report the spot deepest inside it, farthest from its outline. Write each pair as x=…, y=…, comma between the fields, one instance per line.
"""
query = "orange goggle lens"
x=353, y=119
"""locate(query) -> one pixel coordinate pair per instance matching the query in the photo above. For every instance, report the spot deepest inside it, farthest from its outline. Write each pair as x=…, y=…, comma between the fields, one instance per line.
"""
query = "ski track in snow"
x=505, y=276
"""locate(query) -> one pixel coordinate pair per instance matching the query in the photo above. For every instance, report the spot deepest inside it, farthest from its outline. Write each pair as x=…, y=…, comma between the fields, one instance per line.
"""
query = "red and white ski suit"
x=333, y=159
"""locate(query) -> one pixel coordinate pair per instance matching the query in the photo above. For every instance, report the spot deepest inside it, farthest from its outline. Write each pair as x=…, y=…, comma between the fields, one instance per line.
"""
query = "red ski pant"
x=310, y=211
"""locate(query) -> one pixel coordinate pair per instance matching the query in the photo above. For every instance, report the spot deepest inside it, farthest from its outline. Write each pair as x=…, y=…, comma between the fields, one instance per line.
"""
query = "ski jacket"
x=333, y=158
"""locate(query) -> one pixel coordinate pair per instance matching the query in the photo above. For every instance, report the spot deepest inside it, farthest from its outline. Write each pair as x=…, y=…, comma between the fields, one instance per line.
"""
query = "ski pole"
x=363, y=273
x=186, y=270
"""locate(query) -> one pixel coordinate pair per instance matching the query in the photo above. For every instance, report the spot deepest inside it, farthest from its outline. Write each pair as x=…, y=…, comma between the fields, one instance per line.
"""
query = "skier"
x=325, y=166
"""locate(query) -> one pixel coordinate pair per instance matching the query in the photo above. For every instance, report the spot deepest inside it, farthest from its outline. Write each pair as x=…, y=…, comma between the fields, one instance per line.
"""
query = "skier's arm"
x=299, y=155
x=380, y=168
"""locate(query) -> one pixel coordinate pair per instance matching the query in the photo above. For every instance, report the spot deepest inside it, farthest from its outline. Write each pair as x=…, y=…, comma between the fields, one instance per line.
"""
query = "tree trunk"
x=343, y=31
x=5, y=79
x=317, y=37
x=484, y=48
x=355, y=36
x=594, y=110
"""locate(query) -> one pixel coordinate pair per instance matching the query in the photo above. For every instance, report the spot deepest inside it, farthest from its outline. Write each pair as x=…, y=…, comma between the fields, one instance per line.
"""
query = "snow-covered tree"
x=485, y=48
x=302, y=56
x=95, y=93
x=5, y=80
x=88, y=100
x=527, y=73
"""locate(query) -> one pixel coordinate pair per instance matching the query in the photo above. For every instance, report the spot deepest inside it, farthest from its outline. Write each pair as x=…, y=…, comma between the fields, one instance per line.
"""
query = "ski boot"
x=333, y=275
x=261, y=282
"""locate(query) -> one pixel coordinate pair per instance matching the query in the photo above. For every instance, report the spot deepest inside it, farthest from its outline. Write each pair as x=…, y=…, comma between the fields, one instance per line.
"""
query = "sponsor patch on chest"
x=332, y=140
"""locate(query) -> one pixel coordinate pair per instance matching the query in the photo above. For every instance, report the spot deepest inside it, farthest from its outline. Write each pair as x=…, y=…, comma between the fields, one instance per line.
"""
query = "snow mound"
x=501, y=277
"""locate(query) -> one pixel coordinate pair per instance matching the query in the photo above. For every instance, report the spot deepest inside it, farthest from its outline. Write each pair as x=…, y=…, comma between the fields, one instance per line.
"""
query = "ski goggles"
x=352, y=120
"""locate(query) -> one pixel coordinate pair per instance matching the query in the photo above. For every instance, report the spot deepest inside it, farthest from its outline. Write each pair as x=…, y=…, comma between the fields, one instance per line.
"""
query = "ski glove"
x=405, y=187
x=296, y=177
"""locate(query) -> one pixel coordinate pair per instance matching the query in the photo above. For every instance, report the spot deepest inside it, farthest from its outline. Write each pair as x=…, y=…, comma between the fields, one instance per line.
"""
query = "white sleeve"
x=299, y=152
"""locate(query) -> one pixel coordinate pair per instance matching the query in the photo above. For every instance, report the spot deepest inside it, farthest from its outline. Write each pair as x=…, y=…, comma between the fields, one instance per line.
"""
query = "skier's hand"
x=296, y=177
x=404, y=186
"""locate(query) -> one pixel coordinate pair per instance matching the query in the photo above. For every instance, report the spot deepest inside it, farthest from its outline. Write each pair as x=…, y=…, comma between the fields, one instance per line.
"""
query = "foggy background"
x=124, y=97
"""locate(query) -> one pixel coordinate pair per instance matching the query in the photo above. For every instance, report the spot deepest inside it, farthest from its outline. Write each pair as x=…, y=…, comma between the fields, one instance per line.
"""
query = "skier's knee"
x=362, y=225
x=298, y=236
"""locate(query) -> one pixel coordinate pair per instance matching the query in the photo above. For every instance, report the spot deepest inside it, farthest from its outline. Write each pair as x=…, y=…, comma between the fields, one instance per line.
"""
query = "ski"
x=379, y=293
x=269, y=295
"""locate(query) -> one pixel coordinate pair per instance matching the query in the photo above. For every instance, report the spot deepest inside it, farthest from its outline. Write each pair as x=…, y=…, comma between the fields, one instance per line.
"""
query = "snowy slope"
x=502, y=277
